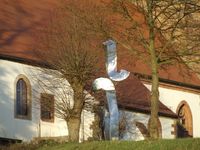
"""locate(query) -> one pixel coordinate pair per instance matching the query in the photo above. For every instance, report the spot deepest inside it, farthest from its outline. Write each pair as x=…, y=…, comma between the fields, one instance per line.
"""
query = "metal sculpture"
x=111, y=119
x=111, y=63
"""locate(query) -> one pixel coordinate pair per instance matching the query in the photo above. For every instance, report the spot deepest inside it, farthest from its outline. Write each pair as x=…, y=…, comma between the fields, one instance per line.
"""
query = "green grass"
x=178, y=144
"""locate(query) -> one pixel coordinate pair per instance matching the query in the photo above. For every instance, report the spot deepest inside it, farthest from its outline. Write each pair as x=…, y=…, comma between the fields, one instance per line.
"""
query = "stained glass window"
x=21, y=98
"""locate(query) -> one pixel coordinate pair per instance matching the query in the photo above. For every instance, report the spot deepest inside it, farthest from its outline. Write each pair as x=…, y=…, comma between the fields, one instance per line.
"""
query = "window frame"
x=52, y=111
x=188, y=117
x=28, y=97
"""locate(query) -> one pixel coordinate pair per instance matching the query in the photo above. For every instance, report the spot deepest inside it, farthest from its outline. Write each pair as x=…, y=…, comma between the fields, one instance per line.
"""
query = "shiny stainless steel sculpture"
x=111, y=63
x=111, y=119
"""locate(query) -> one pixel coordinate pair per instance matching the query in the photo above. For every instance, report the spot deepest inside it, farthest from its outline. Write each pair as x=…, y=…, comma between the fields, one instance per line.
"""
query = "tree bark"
x=153, y=127
x=73, y=124
x=74, y=119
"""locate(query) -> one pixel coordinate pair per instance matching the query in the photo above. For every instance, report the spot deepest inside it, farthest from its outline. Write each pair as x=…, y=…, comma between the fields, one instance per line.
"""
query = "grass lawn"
x=178, y=144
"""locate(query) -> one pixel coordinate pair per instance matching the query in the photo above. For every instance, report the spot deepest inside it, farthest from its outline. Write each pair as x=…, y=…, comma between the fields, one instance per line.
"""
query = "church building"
x=24, y=117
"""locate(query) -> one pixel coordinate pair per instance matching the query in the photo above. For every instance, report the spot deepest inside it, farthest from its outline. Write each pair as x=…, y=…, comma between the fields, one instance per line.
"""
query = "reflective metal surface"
x=111, y=119
x=111, y=62
x=104, y=84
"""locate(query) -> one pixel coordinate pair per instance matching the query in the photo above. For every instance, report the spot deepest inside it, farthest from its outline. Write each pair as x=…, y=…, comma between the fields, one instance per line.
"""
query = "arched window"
x=22, y=98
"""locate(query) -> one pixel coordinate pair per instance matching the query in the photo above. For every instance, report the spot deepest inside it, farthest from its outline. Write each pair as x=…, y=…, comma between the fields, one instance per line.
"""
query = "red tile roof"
x=18, y=21
x=132, y=94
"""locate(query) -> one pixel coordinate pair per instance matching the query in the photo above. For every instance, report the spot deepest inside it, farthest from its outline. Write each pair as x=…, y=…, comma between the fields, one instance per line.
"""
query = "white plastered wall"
x=172, y=98
x=133, y=133
x=11, y=127
x=26, y=130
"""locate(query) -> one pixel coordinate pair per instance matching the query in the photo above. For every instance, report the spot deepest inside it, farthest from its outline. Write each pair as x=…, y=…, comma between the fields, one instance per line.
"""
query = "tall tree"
x=152, y=29
x=165, y=42
x=66, y=47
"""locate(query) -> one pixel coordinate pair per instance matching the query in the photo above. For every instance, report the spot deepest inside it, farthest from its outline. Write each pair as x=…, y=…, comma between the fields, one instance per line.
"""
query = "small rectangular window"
x=47, y=107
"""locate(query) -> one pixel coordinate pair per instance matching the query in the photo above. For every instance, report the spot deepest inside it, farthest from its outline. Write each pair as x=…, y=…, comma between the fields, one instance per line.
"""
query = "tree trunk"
x=153, y=126
x=74, y=120
x=153, y=130
x=73, y=124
